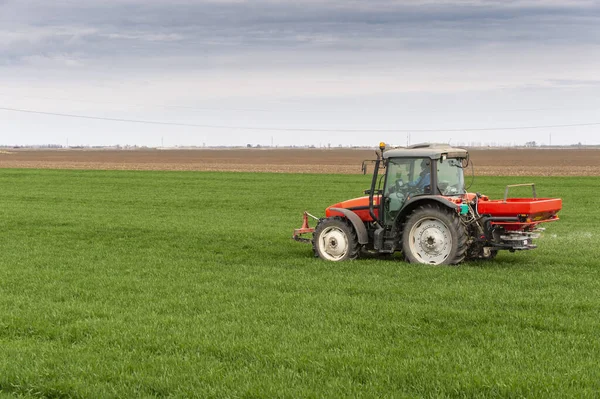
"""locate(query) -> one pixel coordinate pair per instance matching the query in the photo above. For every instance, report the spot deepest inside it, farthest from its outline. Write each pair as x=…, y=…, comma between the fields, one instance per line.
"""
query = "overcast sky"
x=299, y=72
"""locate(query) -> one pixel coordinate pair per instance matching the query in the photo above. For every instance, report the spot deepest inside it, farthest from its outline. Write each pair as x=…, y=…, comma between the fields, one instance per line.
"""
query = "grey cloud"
x=95, y=30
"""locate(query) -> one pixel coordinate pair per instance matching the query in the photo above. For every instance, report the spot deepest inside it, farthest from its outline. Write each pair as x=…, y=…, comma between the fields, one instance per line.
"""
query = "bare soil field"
x=504, y=162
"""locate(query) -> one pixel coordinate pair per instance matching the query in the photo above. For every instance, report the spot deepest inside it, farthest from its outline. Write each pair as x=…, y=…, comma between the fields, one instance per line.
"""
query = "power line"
x=298, y=129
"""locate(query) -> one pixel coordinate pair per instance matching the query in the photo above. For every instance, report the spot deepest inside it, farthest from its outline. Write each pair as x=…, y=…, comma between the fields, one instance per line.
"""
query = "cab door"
x=398, y=174
x=405, y=178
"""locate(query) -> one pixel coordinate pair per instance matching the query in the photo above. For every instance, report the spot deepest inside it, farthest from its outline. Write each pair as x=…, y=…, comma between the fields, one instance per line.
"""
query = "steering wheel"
x=399, y=185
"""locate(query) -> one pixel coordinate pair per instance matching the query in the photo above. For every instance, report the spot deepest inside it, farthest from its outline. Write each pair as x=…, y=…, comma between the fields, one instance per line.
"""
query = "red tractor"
x=418, y=205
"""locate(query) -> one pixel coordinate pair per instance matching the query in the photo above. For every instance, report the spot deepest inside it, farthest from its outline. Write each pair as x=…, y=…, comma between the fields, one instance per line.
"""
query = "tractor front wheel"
x=435, y=236
x=334, y=239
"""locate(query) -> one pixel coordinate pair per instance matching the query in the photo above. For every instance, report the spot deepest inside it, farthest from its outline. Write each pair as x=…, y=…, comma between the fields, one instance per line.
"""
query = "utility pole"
x=162, y=141
x=550, y=135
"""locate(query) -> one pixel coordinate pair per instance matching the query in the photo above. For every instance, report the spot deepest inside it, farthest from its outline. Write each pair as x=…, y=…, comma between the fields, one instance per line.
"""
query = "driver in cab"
x=423, y=180
x=420, y=184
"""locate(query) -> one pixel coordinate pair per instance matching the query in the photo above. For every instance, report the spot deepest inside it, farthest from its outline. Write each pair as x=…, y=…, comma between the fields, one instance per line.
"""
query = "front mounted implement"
x=305, y=229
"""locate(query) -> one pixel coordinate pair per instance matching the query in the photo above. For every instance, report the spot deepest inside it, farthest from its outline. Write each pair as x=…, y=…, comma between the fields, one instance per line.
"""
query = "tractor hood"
x=359, y=205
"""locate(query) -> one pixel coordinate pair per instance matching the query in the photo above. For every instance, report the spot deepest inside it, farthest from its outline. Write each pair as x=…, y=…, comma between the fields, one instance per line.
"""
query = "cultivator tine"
x=305, y=229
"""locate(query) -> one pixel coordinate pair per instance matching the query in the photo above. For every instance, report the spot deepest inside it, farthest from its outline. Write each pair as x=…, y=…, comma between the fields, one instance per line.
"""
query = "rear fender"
x=359, y=227
x=415, y=202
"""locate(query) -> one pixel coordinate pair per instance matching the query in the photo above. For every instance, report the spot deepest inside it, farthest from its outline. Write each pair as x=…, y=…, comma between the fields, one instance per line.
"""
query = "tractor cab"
x=421, y=170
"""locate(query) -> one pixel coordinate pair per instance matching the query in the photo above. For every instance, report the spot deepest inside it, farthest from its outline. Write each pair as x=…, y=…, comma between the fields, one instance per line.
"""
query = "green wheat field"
x=187, y=284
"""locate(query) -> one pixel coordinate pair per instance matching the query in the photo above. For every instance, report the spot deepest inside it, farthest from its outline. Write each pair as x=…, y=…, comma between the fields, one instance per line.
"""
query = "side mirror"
x=364, y=166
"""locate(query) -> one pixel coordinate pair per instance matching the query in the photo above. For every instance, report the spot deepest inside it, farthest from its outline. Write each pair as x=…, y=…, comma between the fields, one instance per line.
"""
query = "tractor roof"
x=426, y=150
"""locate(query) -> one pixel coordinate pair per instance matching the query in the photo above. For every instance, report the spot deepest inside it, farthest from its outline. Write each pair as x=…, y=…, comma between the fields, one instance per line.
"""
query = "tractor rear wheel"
x=435, y=236
x=334, y=239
